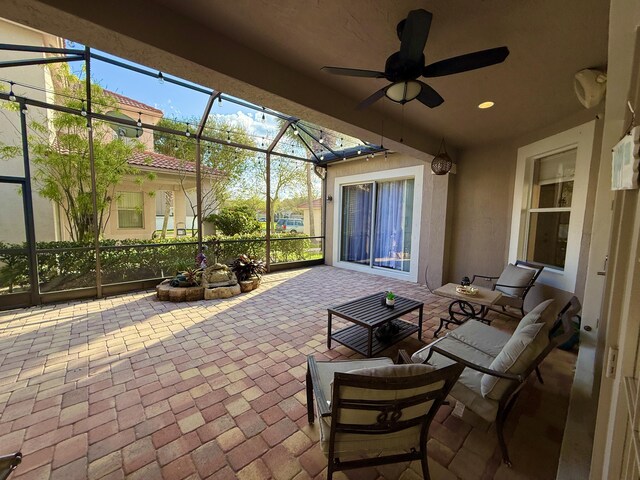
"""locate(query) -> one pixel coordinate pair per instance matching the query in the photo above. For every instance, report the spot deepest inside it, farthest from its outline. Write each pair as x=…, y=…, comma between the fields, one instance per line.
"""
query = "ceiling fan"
x=404, y=67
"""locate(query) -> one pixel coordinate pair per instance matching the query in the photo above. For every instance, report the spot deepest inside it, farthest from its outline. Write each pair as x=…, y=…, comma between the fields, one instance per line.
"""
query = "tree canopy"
x=59, y=150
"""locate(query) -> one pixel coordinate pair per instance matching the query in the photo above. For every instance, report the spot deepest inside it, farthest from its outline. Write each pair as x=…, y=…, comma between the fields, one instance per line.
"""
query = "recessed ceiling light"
x=484, y=105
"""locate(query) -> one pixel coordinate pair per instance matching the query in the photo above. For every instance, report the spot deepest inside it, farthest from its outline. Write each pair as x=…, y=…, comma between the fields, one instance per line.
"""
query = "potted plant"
x=390, y=299
x=248, y=272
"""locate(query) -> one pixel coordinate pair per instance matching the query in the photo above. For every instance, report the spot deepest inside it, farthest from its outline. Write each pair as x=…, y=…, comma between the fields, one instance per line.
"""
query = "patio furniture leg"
x=435, y=334
x=329, y=330
x=425, y=464
x=503, y=446
x=309, y=383
x=370, y=343
x=420, y=322
x=539, y=376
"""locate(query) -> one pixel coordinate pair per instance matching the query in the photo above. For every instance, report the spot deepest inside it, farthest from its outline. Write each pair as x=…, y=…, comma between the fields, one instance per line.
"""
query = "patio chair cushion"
x=478, y=335
x=540, y=314
x=467, y=389
x=517, y=276
x=400, y=441
x=521, y=349
x=326, y=370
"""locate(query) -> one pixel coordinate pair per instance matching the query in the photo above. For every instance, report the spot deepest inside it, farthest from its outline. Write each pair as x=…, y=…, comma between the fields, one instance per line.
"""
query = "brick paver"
x=130, y=387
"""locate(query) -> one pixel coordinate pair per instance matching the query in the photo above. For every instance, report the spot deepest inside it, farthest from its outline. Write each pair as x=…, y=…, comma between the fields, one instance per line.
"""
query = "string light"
x=12, y=96
x=359, y=152
x=321, y=137
x=160, y=78
x=341, y=140
x=88, y=125
x=385, y=155
x=24, y=109
x=219, y=100
x=187, y=133
x=139, y=122
x=263, y=117
x=83, y=112
x=321, y=157
x=228, y=137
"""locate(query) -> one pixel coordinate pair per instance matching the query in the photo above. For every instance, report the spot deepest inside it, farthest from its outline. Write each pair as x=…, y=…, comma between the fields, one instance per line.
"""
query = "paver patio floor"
x=132, y=387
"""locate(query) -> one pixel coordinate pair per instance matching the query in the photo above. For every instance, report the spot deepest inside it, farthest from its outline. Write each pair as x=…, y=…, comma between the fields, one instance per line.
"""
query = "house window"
x=378, y=222
x=550, y=209
x=130, y=210
x=550, y=204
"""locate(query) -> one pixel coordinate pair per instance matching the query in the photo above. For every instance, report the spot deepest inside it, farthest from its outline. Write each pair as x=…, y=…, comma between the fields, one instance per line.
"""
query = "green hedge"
x=72, y=265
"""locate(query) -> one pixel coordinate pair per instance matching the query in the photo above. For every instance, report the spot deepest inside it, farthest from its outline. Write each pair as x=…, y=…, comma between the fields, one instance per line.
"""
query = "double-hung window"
x=550, y=204
x=550, y=209
x=130, y=210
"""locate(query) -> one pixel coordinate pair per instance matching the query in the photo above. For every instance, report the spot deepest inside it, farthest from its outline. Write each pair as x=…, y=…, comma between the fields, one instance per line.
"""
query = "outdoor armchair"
x=514, y=283
x=497, y=364
x=377, y=409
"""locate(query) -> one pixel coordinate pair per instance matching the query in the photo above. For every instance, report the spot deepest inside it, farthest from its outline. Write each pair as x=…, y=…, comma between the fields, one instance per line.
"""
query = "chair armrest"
x=486, y=277
x=479, y=368
x=403, y=358
x=324, y=409
x=524, y=287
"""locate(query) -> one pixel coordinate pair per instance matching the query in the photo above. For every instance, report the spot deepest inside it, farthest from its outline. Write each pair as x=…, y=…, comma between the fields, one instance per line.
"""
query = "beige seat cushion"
x=395, y=442
x=326, y=370
x=516, y=356
x=467, y=389
x=478, y=335
x=516, y=276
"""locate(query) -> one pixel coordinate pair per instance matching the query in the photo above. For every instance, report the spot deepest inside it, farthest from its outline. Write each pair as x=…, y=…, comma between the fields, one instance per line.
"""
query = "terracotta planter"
x=246, y=285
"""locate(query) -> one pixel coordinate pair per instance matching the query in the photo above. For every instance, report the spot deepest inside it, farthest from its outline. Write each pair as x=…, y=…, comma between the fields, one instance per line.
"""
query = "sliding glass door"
x=356, y=223
x=376, y=226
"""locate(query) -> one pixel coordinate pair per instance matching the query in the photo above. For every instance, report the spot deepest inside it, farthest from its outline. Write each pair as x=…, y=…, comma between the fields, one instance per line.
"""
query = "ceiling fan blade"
x=415, y=32
x=353, y=72
x=429, y=96
x=372, y=99
x=464, y=63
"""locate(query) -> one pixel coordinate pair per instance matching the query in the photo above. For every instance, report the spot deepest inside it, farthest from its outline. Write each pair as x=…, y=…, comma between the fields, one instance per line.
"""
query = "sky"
x=182, y=103
x=175, y=101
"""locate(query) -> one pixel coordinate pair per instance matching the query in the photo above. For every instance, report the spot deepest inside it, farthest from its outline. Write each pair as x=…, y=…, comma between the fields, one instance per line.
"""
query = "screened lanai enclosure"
x=113, y=176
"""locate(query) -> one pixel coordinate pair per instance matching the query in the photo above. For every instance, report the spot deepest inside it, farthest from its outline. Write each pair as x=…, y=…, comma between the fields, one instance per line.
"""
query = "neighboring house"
x=317, y=216
x=137, y=208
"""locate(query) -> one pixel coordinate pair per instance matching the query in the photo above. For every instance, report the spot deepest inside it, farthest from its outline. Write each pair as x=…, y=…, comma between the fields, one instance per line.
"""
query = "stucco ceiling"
x=271, y=52
x=549, y=41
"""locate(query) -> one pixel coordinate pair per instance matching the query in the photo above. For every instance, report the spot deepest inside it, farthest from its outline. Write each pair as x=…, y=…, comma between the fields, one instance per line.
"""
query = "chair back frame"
x=389, y=418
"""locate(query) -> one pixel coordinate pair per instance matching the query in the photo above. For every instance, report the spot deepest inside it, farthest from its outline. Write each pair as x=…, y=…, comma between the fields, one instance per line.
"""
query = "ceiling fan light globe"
x=403, y=92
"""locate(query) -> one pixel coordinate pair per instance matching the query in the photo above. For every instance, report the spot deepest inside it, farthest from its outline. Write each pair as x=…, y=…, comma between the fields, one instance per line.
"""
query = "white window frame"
x=580, y=138
x=143, y=212
x=416, y=174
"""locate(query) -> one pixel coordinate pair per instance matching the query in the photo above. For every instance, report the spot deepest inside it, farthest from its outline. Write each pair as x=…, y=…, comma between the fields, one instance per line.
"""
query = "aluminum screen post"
x=268, y=209
x=27, y=200
x=92, y=163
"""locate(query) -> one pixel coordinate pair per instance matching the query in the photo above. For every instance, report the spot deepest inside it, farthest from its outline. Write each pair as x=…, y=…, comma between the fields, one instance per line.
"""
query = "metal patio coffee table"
x=367, y=314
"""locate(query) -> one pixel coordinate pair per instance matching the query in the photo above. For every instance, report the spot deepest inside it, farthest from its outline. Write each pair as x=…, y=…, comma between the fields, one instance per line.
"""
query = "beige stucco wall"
x=434, y=207
x=11, y=221
x=317, y=221
x=483, y=202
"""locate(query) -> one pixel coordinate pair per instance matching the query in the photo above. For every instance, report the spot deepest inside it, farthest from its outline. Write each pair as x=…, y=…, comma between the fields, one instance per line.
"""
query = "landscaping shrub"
x=67, y=265
x=236, y=220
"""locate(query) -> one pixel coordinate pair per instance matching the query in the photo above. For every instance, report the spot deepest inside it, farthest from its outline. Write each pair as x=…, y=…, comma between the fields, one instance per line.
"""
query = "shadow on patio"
x=132, y=387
